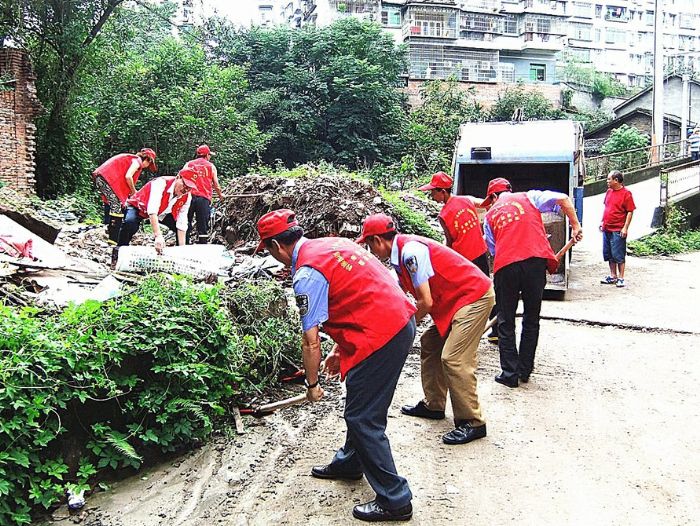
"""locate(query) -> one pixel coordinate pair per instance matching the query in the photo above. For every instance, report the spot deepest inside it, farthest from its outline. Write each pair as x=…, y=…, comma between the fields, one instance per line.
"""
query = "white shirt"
x=153, y=206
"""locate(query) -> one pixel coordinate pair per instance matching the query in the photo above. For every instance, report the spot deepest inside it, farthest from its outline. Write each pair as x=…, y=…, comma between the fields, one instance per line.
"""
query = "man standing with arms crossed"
x=459, y=297
x=340, y=285
x=202, y=194
x=617, y=216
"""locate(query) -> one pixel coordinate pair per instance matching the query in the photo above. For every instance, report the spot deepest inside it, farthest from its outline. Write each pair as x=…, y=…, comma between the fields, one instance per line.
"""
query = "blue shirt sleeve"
x=488, y=237
x=546, y=200
x=311, y=293
x=416, y=258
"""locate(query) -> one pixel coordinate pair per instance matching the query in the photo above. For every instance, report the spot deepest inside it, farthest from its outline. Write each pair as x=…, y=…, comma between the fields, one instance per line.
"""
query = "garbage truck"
x=532, y=155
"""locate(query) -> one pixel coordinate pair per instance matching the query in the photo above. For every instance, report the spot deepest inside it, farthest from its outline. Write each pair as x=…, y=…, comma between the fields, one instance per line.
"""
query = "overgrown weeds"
x=101, y=387
x=674, y=238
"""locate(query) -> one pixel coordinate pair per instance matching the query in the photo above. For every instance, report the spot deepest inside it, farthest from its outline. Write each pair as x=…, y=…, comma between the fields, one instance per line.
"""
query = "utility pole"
x=657, y=136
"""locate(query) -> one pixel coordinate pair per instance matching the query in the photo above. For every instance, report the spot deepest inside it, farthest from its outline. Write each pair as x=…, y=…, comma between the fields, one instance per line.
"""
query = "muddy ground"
x=606, y=432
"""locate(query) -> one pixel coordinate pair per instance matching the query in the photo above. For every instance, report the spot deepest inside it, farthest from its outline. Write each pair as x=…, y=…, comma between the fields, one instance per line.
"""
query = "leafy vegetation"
x=410, y=222
x=534, y=104
x=674, y=238
x=602, y=85
x=102, y=386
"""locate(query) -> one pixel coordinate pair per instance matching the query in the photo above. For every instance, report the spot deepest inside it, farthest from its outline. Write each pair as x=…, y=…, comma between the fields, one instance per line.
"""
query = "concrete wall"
x=637, y=176
x=522, y=66
x=673, y=100
x=18, y=108
x=487, y=94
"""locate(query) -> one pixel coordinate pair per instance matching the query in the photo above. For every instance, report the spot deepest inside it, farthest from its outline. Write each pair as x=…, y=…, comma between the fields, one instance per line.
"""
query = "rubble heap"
x=326, y=205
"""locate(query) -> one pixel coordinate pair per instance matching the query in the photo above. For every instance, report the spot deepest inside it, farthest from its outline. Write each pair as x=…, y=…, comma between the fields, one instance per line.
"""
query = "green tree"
x=171, y=98
x=535, y=106
x=326, y=93
x=625, y=138
x=60, y=35
x=432, y=128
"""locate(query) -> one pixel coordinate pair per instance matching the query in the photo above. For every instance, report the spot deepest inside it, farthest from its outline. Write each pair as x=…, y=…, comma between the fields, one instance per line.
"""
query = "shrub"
x=101, y=386
x=410, y=222
x=674, y=238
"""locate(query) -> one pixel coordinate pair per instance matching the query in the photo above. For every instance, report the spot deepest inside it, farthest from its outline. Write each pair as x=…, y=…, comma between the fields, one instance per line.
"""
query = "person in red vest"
x=341, y=286
x=458, y=296
x=207, y=181
x=515, y=234
x=116, y=180
x=460, y=222
x=163, y=200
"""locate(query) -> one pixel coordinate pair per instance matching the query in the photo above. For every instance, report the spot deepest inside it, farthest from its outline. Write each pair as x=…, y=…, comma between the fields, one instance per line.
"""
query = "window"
x=597, y=35
x=649, y=18
x=391, y=16
x=538, y=72
x=599, y=11
x=580, y=31
x=614, y=36
x=510, y=25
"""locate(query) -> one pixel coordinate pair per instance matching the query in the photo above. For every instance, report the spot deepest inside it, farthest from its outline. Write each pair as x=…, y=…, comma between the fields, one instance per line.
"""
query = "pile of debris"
x=326, y=205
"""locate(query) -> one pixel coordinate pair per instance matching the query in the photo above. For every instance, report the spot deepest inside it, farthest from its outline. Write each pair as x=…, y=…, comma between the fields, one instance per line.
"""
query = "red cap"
x=376, y=225
x=274, y=223
x=152, y=156
x=438, y=180
x=204, y=150
x=495, y=185
x=189, y=177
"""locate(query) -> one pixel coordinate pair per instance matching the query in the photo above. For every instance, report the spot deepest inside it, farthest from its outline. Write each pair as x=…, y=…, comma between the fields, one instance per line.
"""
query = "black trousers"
x=527, y=279
x=200, y=207
x=371, y=385
x=132, y=222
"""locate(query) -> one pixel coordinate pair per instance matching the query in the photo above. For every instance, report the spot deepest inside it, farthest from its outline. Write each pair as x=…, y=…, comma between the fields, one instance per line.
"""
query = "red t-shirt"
x=617, y=204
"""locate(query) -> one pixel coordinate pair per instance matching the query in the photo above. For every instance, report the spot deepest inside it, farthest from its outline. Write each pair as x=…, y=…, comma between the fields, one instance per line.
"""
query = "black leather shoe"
x=326, y=472
x=508, y=382
x=464, y=433
x=422, y=411
x=373, y=512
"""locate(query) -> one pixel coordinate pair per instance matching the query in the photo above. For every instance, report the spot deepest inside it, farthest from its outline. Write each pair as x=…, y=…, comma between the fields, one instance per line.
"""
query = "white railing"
x=680, y=181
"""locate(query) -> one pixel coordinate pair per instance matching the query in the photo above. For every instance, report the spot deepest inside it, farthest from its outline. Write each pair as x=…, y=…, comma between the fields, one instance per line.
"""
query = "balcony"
x=475, y=22
x=617, y=14
x=687, y=21
x=545, y=25
x=430, y=22
x=549, y=7
x=491, y=6
x=440, y=62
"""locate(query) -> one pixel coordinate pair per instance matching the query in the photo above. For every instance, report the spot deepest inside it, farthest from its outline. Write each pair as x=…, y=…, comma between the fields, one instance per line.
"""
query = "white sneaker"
x=620, y=283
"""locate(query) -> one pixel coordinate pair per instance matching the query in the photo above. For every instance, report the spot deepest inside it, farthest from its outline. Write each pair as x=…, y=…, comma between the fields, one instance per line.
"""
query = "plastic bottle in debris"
x=75, y=500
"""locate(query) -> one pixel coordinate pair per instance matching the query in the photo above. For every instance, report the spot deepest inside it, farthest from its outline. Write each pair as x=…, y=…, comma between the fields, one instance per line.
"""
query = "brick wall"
x=487, y=94
x=18, y=108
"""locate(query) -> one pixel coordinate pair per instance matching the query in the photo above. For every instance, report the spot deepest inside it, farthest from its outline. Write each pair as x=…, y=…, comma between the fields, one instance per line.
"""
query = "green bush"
x=674, y=238
x=101, y=386
x=410, y=221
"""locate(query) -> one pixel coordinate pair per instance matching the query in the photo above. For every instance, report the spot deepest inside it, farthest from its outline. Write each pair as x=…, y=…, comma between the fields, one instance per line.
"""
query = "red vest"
x=462, y=222
x=140, y=199
x=518, y=231
x=114, y=169
x=205, y=179
x=457, y=281
x=366, y=308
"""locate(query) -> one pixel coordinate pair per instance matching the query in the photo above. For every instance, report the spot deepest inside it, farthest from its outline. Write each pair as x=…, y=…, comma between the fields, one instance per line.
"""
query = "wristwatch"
x=310, y=386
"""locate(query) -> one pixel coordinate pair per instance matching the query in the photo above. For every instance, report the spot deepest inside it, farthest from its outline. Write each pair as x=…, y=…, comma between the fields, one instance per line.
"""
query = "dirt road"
x=606, y=432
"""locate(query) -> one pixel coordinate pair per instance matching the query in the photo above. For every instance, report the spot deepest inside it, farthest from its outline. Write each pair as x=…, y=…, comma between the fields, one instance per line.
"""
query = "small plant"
x=410, y=222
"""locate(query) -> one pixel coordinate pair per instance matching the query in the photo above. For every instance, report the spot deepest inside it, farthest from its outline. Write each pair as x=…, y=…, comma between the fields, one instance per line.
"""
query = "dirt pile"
x=326, y=205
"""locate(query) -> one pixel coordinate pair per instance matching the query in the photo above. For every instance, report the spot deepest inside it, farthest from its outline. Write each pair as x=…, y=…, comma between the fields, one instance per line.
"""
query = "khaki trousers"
x=449, y=364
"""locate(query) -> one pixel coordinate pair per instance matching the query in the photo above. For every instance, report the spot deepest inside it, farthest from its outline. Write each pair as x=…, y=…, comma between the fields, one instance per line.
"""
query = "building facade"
x=617, y=36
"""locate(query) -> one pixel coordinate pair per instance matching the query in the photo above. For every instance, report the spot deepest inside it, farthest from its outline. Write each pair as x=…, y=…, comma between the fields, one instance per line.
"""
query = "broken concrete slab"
x=20, y=209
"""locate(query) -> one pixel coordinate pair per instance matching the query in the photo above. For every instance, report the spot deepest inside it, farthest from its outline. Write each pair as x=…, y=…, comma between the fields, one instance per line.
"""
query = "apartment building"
x=617, y=37
x=474, y=40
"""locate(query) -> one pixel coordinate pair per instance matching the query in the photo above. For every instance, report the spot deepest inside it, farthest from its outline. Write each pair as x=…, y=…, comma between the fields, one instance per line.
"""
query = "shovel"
x=268, y=409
